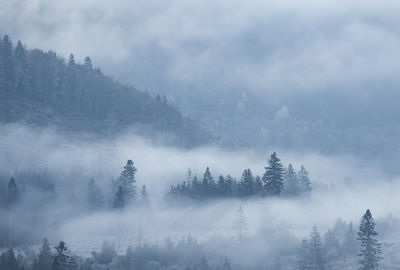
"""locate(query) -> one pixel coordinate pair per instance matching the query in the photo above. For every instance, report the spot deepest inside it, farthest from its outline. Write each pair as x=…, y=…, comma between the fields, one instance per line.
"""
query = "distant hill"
x=41, y=89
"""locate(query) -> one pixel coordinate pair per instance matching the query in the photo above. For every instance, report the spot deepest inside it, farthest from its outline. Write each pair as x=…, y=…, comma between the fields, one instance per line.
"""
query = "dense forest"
x=41, y=88
x=341, y=244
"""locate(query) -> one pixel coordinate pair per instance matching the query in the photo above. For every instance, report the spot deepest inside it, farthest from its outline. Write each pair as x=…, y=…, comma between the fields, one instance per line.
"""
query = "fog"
x=338, y=182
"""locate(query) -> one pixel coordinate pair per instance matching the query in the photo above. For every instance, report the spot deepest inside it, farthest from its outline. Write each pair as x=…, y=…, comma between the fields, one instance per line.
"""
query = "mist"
x=69, y=163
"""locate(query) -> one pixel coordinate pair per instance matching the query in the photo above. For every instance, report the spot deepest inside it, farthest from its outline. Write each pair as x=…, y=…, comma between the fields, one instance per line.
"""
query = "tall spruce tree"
x=304, y=182
x=246, y=184
x=45, y=259
x=272, y=178
x=304, y=256
x=119, y=199
x=350, y=245
x=370, y=247
x=208, y=184
x=12, y=192
x=317, y=261
x=127, y=180
x=290, y=182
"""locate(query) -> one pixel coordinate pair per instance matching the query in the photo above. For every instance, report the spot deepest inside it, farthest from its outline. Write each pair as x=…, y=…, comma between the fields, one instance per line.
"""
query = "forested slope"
x=41, y=89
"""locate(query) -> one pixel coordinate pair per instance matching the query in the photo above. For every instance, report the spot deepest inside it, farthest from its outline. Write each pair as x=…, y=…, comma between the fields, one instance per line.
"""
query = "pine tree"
x=88, y=63
x=316, y=252
x=127, y=180
x=221, y=186
x=208, y=184
x=290, y=182
x=7, y=64
x=21, y=73
x=246, y=184
x=62, y=261
x=370, y=247
x=119, y=200
x=304, y=256
x=8, y=260
x=258, y=189
x=272, y=178
x=349, y=247
x=331, y=245
x=45, y=259
x=304, y=182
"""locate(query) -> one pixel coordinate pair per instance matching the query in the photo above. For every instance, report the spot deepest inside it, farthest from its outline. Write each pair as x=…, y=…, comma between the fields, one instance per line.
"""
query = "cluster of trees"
x=80, y=94
x=186, y=254
x=315, y=254
x=276, y=181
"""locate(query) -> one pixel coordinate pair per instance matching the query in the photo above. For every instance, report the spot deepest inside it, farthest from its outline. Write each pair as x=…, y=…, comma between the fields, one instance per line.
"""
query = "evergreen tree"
x=370, y=247
x=349, y=247
x=45, y=259
x=304, y=182
x=8, y=260
x=221, y=192
x=7, y=64
x=88, y=63
x=316, y=251
x=272, y=178
x=207, y=184
x=246, y=184
x=304, y=256
x=119, y=200
x=62, y=261
x=290, y=182
x=22, y=83
x=331, y=245
x=127, y=180
x=258, y=189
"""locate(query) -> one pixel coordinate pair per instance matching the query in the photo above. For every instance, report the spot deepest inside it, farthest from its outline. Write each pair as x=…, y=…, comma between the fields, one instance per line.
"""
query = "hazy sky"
x=267, y=45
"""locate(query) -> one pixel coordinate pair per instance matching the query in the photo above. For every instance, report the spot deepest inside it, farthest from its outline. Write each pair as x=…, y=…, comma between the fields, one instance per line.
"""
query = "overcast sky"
x=256, y=45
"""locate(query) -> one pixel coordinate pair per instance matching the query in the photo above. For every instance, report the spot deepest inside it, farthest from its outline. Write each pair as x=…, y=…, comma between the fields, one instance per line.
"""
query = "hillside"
x=43, y=89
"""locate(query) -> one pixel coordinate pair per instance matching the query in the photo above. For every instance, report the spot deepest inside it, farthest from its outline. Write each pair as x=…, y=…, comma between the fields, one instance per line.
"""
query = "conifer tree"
x=370, y=247
x=272, y=178
x=45, y=259
x=316, y=252
x=8, y=261
x=349, y=247
x=207, y=184
x=127, y=180
x=290, y=183
x=304, y=182
x=304, y=256
x=246, y=184
x=62, y=261
x=258, y=189
x=119, y=200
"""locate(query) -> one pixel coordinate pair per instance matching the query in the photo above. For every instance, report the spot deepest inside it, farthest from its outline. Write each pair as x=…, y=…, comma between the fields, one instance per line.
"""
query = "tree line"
x=40, y=86
x=276, y=181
